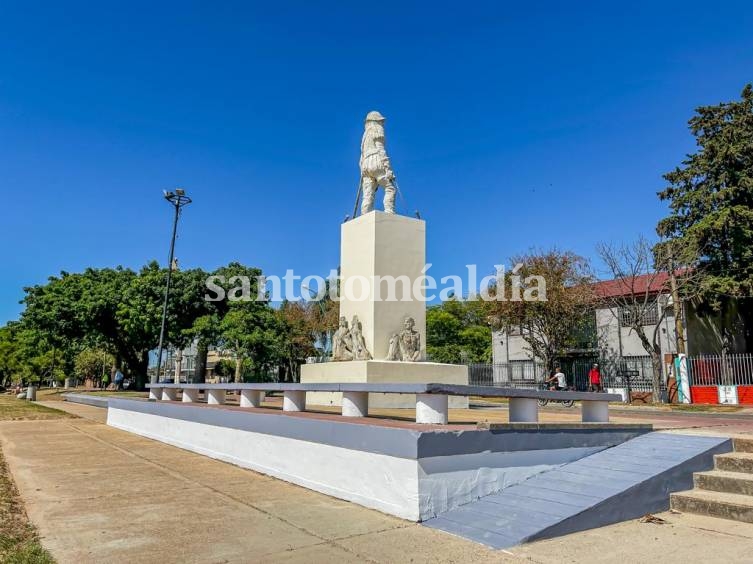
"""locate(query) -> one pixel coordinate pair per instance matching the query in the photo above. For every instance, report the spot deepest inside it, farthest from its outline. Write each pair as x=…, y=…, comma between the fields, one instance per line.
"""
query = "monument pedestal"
x=371, y=371
x=381, y=256
x=382, y=261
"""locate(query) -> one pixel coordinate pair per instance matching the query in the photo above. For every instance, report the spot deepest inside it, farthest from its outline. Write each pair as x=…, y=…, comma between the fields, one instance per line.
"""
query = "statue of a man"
x=405, y=345
x=375, y=165
x=360, y=352
x=342, y=345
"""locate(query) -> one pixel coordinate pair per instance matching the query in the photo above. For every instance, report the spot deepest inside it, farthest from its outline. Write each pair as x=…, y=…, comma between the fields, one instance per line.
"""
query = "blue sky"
x=509, y=127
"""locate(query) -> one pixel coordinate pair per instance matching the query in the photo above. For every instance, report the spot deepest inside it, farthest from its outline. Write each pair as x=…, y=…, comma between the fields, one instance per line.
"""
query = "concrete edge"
x=87, y=399
x=392, y=441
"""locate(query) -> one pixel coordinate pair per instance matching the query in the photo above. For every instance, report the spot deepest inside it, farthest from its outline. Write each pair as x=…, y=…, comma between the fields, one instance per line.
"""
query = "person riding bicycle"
x=558, y=380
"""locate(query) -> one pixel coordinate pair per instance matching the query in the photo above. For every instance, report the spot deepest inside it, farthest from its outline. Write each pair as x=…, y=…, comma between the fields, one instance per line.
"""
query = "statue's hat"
x=374, y=116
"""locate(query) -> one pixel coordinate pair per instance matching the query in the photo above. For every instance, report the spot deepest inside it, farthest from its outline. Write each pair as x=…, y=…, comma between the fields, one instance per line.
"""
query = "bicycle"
x=543, y=402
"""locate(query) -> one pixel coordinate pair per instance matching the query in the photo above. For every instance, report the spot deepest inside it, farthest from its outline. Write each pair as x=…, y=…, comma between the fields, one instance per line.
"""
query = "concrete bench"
x=431, y=399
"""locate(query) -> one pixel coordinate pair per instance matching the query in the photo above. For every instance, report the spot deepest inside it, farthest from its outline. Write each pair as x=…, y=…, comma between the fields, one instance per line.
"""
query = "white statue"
x=342, y=344
x=405, y=345
x=360, y=352
x=375, y=165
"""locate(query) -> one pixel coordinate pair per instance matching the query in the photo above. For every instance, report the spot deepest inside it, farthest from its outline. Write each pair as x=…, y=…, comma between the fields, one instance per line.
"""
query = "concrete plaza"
x=98, y=494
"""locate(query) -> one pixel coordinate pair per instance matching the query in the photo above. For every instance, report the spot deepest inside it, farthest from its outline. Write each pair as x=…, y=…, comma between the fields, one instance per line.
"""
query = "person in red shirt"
x=594, y=379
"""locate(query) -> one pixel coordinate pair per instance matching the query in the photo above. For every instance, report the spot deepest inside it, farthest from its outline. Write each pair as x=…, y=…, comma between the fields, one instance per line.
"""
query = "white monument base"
x=373, y=371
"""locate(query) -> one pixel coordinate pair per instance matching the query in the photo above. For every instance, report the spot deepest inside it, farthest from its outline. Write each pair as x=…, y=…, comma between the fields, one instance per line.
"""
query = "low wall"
x=408, y=470
x=87, y=399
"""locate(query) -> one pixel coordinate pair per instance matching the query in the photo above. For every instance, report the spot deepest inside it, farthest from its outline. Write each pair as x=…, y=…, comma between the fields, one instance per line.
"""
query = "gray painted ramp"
x=620, y=483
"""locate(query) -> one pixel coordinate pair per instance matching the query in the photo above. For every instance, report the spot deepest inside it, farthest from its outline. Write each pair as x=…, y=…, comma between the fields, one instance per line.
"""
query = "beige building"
x=612, y=338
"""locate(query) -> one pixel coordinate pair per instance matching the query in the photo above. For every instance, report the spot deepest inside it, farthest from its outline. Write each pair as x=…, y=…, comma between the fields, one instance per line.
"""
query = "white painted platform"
x=404, y=469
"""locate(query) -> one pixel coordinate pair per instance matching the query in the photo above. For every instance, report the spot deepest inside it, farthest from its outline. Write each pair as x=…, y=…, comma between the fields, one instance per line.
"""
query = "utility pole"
x=178, y=199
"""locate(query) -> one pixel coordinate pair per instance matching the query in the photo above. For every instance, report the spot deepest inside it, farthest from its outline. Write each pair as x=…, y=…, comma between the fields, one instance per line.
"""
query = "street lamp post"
x=178, y=199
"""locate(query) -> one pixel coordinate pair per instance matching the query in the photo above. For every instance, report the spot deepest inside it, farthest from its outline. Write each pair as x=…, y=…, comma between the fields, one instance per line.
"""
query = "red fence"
x=721, y=379
x=721, y=370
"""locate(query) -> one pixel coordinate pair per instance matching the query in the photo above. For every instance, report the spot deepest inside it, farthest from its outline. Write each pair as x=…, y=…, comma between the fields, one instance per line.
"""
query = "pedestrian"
x=118, y=378
x=594, y=379
x=105, y=380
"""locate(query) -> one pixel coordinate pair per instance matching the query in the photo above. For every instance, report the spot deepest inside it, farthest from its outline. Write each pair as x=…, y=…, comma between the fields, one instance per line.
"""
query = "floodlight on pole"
x=178, y=200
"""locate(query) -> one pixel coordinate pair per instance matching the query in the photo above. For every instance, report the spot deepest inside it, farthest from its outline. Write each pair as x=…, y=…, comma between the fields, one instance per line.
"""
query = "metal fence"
x=635, y=373
x=721, y=370
x=523, y=374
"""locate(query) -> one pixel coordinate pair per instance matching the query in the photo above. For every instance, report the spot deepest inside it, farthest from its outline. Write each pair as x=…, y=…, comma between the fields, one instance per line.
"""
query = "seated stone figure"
x=405, y=345
x=360, y=352
x=342, y=344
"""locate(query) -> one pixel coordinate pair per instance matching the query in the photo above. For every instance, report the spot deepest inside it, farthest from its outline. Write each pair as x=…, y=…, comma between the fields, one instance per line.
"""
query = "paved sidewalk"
x=98, y=494
x=80, y=410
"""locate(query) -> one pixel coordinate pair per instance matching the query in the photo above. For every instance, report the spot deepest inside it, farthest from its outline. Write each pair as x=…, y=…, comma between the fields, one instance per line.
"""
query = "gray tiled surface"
x=619, y=483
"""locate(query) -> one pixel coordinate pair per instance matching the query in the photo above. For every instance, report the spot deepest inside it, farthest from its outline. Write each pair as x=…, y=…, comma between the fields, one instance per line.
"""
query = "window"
x=669, y=311
x=648, y=312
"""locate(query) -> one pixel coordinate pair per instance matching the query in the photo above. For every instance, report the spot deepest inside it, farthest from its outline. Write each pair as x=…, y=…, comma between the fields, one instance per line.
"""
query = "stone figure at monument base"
x=348, y=343
x=360, y=352
x=376, y=169
x=406, y=345
x=342, y=347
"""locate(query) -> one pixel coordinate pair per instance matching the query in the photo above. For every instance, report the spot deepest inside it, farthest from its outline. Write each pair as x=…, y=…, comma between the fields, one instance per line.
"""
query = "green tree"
x=207, y=327
x=252, y=334
x=116, y=309
x=119, y=310
x=93, y=363
x=25, y=355
x=205, y=330
x=299, y=323
x=73, y=311
x=710, y=198
x=552, y=326
x=245, y=326
x=457, y=331
x=10, y=360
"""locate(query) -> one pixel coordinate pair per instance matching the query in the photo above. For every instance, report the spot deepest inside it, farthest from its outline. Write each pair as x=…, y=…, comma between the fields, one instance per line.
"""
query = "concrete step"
x=721, y=481
x=714, y=504
x=735, y=462
x=743, y=445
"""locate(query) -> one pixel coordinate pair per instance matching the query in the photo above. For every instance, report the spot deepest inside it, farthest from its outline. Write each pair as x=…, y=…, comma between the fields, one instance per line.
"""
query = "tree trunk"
x=656, y=365
x=238, y=365
x=137, y=369
x=202, y=350
x=654, y=351
x=178, y=365
x=293, y=371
